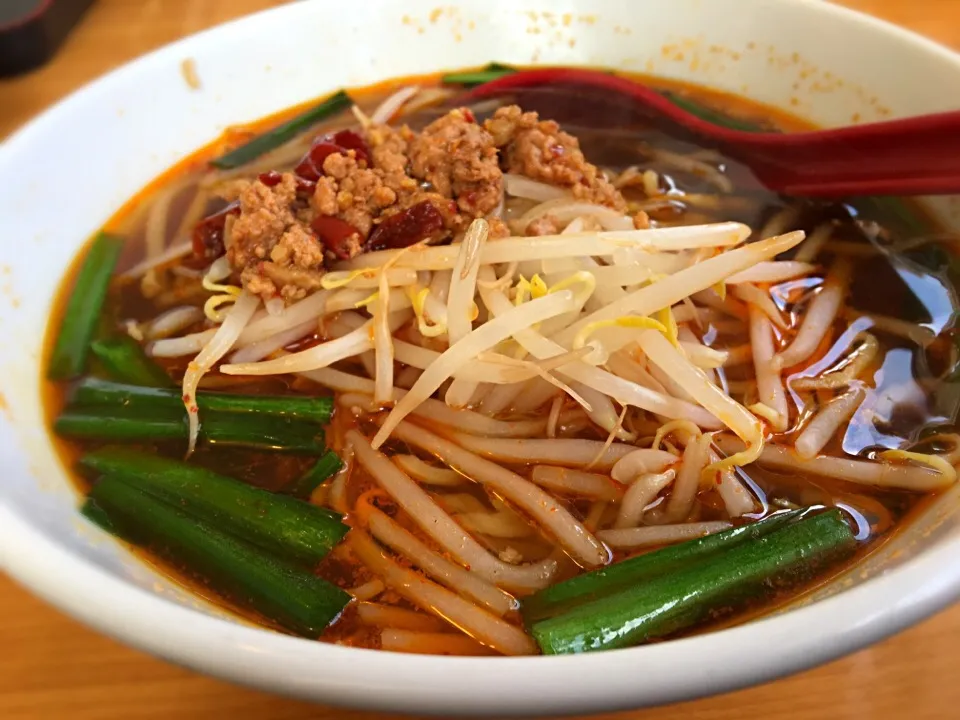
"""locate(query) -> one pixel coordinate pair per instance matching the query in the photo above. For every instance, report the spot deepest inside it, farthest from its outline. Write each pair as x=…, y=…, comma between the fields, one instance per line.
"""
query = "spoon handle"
x=909, y=156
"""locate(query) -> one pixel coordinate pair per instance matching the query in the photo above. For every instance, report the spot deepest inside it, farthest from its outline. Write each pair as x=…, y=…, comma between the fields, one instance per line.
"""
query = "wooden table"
x=51, y=667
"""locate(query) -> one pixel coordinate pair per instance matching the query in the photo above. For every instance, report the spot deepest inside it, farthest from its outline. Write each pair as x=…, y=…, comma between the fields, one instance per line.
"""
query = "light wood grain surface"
x=51, y=667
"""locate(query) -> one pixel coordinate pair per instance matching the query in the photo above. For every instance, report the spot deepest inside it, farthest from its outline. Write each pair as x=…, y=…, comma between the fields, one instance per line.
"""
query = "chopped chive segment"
x=325, y=468
x=710, y=115
x=94, y=391
x=82, y=314
x=124, y=360
x=296, y=599
x=283, y=133
x=471, y=78
x=228, y=429
x=681, y=599
x=641, y=569
x=96, y=514
x=278, y=523
x=105, y=424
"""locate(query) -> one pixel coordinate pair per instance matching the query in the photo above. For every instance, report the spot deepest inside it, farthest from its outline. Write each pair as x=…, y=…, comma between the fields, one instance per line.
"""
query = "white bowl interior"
x=113, y=137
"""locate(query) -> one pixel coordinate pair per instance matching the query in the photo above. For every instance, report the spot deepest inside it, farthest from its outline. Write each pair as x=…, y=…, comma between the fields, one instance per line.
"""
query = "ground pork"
x=274, y=252
x=452, y=160
x=417, y=186
x=388, y=149
x=383, y=203
x=458, y=158
x=356, y=195
x=539, y=149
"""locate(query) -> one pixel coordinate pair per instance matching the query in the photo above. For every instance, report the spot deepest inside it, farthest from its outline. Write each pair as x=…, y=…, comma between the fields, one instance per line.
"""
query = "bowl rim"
x=779, y=645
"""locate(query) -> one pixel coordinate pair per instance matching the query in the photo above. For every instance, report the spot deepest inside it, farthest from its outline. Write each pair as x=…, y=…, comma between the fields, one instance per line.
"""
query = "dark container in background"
x=32, y=30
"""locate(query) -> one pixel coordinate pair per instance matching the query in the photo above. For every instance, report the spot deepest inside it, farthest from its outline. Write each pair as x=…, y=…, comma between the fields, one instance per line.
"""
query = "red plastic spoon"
x=914, y=156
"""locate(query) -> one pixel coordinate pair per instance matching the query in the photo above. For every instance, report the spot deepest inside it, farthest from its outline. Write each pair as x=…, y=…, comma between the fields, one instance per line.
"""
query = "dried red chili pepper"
x=335, y=234
x=271, y=178
x=310, y=166
x=351, y=140
x=407, y=227
x=208, y=233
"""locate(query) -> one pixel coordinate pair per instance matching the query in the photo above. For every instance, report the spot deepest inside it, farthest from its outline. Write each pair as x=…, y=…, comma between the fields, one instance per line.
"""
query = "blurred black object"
x=32, y=30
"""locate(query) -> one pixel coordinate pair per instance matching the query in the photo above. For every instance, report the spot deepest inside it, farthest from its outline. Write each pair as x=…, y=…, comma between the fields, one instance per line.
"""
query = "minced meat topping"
x=458, y=158
x=540, y=150
x=391, y=187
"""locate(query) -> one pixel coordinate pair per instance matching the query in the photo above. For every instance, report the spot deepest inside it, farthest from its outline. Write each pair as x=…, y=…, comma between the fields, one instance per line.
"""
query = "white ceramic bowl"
x=64, y=174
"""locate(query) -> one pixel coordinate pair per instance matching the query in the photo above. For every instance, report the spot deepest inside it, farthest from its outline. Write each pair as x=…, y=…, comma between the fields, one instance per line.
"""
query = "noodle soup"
x=424, y=369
